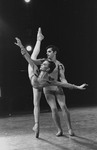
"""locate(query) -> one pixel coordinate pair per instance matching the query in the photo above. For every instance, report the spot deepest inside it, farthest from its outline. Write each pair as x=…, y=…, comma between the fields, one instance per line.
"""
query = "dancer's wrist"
x=75, y=86
x=23, y=53
x=22, y=47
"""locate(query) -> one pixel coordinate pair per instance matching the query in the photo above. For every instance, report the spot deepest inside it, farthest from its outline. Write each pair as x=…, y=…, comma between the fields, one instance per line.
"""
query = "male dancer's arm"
x=65, y=82
x=62, y=74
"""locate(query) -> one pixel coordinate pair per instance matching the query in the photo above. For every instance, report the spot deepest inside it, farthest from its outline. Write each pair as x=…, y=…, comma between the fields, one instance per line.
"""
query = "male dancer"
x=56, y=93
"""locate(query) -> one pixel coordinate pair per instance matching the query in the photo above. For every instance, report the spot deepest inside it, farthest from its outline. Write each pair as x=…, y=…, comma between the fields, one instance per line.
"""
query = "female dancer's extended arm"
x=25, y=53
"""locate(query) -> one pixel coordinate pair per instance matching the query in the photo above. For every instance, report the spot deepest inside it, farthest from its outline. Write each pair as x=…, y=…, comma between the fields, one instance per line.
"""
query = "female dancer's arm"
x=36, y=49
x=25, y=53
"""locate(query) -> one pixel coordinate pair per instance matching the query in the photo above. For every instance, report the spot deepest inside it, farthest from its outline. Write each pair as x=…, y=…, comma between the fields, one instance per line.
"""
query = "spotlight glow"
x=28, y=48
x=27, y=1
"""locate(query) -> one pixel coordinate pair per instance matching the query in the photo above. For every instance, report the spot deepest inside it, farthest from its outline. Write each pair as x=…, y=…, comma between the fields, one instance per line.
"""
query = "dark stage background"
x=71, y=25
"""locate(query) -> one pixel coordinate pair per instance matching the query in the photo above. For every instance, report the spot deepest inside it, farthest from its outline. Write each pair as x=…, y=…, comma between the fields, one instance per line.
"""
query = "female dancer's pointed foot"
x=40, y=36
x=36, y=130
x=59, y=133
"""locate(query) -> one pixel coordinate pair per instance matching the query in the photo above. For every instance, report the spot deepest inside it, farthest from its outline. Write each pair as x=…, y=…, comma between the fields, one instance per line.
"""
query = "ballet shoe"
x=36, y=130
x=60, y=133
x=40, y=36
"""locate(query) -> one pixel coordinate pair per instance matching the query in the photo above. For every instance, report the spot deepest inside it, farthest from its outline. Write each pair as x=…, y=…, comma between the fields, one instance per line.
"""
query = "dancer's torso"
x=34, y=73
x=37, y=82
x=54, y=75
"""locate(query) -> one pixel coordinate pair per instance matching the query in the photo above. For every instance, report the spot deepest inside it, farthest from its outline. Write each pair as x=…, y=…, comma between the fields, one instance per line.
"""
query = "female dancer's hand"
x=82, y=87
x=19, y=43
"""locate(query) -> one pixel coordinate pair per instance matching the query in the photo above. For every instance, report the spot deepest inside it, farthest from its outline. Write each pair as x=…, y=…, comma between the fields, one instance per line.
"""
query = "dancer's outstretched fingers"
x=19, y=43
x=82, y=87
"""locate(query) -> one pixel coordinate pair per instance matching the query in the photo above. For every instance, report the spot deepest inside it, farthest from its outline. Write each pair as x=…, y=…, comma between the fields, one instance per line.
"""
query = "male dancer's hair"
x=54, y=48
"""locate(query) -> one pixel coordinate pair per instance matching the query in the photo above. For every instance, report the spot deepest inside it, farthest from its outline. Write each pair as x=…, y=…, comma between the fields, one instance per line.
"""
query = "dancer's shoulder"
x=60, y=65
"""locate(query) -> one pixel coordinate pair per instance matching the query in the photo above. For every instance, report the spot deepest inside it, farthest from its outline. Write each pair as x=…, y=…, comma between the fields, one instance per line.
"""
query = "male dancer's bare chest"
x=54, y=74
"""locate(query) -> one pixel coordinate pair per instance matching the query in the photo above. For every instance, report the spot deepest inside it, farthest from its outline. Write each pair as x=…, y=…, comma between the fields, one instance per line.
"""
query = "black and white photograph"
x=48, y=75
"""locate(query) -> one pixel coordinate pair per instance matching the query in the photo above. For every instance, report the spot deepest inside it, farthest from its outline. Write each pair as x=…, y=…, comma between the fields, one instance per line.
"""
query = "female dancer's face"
x=44, y=66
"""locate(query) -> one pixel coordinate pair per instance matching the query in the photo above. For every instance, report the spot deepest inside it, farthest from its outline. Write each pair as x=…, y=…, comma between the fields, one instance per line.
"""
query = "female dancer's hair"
x=51, y=66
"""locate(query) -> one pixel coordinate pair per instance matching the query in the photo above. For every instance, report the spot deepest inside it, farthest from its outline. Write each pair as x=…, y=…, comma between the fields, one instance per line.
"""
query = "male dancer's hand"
x=40, y=36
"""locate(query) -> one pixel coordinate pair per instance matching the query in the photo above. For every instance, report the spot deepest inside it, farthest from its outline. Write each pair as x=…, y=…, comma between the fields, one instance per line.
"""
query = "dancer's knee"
x=36, y=104
x=54, y=110
x=65, y=109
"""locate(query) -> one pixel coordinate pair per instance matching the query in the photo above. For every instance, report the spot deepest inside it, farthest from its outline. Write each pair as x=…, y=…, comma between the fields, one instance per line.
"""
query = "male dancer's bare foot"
x=59, y=133
x=71, y=133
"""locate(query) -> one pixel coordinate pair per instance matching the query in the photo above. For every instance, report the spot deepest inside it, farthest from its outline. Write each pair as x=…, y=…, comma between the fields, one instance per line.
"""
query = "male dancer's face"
x=50, y=53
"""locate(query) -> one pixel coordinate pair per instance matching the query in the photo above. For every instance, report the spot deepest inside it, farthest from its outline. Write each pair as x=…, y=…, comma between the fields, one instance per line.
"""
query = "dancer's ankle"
x=71, y=133
x=36, y=123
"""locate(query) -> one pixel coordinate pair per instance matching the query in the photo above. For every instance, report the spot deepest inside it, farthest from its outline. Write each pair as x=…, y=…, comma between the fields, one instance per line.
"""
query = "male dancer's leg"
x=61, y=100
x=51, y=100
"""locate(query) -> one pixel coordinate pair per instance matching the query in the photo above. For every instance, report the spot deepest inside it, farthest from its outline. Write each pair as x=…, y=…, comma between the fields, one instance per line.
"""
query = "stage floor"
x=16, y=132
